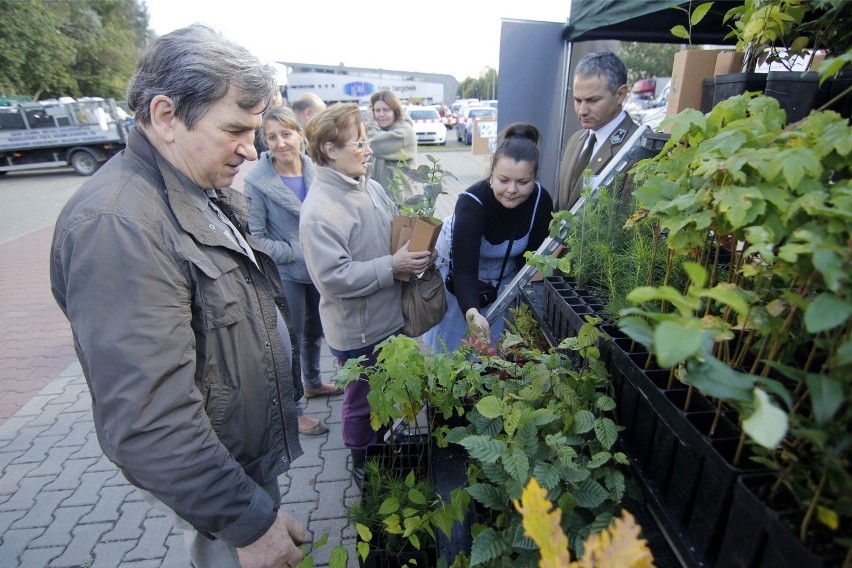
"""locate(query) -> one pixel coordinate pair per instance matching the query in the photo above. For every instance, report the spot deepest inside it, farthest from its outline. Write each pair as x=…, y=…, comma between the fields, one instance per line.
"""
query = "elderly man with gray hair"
x=180, y=322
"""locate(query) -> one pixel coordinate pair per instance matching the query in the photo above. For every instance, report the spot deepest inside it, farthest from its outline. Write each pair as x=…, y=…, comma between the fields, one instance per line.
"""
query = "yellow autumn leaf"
x=541, y=523
x=619, y=545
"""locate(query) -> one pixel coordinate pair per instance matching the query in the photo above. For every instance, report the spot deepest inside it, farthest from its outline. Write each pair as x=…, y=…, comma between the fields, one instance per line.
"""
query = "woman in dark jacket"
x=496, y=221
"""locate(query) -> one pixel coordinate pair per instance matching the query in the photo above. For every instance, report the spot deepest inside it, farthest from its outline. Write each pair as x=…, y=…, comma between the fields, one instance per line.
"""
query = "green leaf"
x=583, y=421
x=638, y=330
x=843, y=356
x=680, y=31
x=487, y=546
x=606, y=432
x=605, y=403
x=828, y=517
x=389, y=505
x=490, y=407
x=484, y=448
x=796, y=163
x=517, y=464
x=730, y=295
x=696, y=273
x=598, y=459
x=674, y=343
x=415, y=496
x=547, y=475
x=339, y=557
x=589, y=493
x=699, y=13
x=364, y=532
x=826, y=311
x=767, y=425
x=826, y=396
x=363, y=549
x=718, y=380
x=488, y=495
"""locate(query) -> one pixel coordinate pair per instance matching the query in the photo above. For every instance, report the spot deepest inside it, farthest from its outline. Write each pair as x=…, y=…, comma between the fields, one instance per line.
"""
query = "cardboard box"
x=484, y=136
x=690, y=68
x=420, y=232
x=728, y=62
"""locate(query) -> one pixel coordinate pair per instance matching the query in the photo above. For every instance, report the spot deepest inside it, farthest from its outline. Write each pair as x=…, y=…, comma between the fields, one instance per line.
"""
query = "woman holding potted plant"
x=481, y=246
x=345, y=232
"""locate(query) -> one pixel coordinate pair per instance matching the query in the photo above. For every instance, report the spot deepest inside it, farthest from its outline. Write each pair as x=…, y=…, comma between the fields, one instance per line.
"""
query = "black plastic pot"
x=563, y=315
x=733, y=84
x=797, y=93
x=708, y=85
x=758, y=536
x=450, y=465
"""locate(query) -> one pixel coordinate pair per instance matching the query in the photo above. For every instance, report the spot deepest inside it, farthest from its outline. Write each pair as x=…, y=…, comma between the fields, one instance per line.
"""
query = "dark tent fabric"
x=648, y=21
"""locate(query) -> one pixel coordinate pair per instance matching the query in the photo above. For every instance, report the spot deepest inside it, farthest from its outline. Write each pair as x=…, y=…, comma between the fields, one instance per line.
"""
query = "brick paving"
x=62, y=503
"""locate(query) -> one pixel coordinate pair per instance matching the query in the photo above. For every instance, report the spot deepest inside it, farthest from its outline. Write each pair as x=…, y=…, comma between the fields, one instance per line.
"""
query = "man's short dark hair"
x=196, y=67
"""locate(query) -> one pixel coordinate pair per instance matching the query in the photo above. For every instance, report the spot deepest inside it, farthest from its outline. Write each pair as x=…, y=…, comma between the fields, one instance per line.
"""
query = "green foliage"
x=647, y=59
x=785, y=30
x=337, y=559
x=484, y=87
x=70, y=47
x=610, y=255
x=764, y=324
x=694, y=17
x=529, y=412
x=432, y=178
x=399, y=510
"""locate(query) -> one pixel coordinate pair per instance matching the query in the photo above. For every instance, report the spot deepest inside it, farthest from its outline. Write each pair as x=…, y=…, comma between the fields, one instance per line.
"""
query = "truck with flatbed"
x=81, y=133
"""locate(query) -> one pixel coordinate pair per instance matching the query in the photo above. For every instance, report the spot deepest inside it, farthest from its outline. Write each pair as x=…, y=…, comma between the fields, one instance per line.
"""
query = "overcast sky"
x=456, y=37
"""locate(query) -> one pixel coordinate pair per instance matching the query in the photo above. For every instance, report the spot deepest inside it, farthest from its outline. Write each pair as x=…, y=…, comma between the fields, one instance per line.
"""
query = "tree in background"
x=644, y=60
x=483, y=88
x=51, y=48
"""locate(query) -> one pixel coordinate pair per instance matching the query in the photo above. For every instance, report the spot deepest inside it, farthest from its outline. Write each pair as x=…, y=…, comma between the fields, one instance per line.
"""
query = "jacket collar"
x=265, y=180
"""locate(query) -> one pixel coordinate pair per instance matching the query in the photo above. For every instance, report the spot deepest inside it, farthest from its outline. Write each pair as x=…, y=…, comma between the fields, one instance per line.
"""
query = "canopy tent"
x=648, y=21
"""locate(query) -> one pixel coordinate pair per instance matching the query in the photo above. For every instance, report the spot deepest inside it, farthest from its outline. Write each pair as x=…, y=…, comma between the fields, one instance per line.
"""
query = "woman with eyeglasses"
x=345, y=233
x=394, y=145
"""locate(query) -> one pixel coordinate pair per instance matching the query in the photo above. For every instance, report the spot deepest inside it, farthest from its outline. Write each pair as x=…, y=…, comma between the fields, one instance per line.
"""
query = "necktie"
x=583, y=161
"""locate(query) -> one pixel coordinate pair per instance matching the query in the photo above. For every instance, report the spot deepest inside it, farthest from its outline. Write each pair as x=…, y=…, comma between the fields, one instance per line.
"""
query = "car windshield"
x=424, y=114
x=482, y=112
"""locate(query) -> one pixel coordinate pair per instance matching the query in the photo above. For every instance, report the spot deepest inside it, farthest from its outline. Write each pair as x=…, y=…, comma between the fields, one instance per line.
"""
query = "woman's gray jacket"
x=274, y=216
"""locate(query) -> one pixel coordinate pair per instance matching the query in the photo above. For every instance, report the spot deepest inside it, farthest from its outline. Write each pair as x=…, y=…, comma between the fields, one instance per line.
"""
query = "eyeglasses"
x=359, y=145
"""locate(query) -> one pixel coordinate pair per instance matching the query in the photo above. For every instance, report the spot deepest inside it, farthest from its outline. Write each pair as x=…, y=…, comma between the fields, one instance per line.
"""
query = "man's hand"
x=278, y=547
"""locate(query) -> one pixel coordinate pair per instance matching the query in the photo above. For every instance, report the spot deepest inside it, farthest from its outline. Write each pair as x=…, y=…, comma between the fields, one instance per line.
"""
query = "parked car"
x=655, y=112
x=446, y=113
x=464, y=129
x=427, y=125
x=458, y=107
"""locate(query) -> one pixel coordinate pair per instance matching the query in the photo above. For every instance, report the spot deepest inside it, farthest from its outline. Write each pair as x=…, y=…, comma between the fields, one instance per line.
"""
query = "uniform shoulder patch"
x=618, y=136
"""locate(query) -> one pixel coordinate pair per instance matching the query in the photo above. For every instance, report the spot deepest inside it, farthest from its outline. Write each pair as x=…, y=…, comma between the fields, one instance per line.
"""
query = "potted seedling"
x=762, y=210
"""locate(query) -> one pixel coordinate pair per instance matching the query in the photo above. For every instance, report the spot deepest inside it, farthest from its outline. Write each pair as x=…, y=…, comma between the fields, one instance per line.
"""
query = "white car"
x=428, y=127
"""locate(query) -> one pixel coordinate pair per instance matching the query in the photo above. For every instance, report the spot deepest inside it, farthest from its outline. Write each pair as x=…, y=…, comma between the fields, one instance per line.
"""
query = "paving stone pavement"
x=62, y=503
